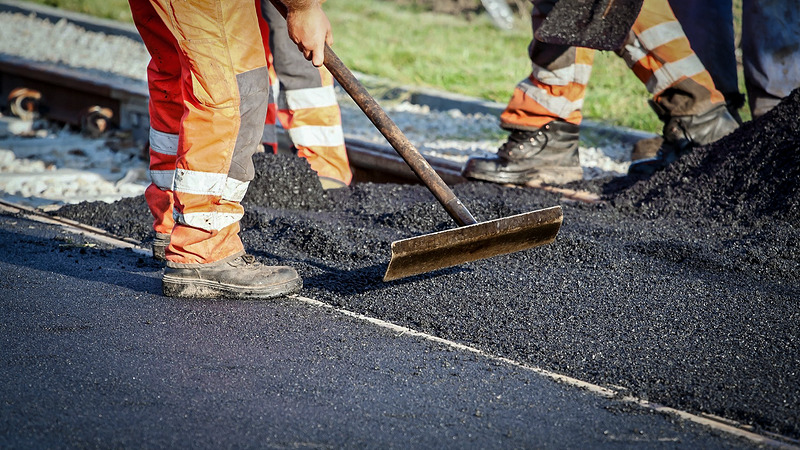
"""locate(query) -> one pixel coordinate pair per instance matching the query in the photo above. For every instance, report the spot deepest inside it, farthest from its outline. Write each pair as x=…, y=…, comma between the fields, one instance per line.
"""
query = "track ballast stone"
x=682, y=288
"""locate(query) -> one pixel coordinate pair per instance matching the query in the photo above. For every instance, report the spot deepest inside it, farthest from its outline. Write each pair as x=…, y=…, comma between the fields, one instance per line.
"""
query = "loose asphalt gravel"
x=94, y=357
x=682, y=289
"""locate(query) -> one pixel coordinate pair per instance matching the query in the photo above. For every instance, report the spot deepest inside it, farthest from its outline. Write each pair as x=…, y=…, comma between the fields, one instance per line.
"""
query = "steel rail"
x=68, y=93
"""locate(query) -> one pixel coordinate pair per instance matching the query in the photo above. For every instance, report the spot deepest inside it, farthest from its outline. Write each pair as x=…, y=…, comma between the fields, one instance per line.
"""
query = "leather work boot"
x=648, y=148
x=548, y=155
x=238, y=276
x=682, y=134
x=160, y=244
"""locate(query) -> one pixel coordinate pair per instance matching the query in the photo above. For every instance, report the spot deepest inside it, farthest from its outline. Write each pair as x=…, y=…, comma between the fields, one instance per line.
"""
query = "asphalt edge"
x=715, y=423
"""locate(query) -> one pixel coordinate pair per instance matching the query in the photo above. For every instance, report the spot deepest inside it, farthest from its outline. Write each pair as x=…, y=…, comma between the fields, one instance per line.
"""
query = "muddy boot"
x=548, y=155
x=237, y=276
x=646, y=148
x=160, y=244
x=682, y=134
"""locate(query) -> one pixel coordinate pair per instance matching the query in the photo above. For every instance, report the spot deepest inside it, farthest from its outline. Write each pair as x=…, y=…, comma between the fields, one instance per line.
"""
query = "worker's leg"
x=166, y=110
x=684, y=96
x=709, y=27
x=770, y=51
x=269, y=136
x=225, y=100
x=659, y=53
x=543, y=116
x=556, y=86
x=225, y=94
x=308, y=108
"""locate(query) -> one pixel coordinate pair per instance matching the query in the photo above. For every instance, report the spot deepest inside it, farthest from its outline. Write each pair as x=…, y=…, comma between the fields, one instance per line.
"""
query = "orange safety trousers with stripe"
x=209, y=90
x=304, y=101
x=656, y=50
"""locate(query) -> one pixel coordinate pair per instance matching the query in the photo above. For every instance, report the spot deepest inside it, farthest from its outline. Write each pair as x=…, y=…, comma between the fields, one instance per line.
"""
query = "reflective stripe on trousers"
x=202, y=143
x=305, y=101
x=656, y=50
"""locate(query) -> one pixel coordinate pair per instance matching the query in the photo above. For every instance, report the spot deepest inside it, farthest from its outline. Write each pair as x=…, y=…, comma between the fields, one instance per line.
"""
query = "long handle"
x=398, y=140
x=392, y=133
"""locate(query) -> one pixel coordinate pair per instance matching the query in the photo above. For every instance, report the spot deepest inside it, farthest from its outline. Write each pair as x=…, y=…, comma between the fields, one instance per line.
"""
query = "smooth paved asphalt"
x=93, y=356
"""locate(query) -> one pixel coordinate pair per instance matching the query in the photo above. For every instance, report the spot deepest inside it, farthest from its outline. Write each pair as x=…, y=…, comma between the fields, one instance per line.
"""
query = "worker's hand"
x=310, y=29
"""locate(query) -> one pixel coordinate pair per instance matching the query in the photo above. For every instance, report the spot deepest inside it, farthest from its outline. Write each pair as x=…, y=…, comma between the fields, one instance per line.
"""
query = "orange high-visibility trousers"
x=656, y=50
x=304, y=101
x=209, y=89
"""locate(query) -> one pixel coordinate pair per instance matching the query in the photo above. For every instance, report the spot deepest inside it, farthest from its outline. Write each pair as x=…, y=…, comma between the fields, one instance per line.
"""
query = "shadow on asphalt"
x=78, y=258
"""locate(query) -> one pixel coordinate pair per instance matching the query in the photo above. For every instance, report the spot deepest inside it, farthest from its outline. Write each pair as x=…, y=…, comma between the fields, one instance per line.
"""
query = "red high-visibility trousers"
x=209, y=90
x=304, y=101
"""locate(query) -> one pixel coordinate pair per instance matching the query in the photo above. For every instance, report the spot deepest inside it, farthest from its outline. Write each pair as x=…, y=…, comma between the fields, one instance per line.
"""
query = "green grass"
x=614, y=95
x=469, y=57
x=473, y=58
x=107, y=9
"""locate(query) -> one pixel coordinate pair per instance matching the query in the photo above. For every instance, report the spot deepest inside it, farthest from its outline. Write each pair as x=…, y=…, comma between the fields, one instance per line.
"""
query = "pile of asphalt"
x=750, y=176
x=681, y=288
x=603, y=25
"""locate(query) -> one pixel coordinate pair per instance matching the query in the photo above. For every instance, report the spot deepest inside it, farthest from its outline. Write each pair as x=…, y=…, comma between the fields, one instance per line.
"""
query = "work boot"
x=237, y=276
x=331, y=183
x=160, y=244
x=648, y=148
x=682, y=134
x=548, y=155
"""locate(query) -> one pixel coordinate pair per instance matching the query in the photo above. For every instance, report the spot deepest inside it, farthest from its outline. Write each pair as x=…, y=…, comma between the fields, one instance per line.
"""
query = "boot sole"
x=194, y=288
x=547, y=175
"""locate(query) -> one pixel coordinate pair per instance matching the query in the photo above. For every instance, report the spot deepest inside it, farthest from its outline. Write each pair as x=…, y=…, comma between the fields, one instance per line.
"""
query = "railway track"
x=81, y=99
x=96, y=103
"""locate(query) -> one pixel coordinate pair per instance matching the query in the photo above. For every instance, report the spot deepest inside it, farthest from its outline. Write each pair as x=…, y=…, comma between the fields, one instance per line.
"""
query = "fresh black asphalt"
x=680, y=289
x=94, y=357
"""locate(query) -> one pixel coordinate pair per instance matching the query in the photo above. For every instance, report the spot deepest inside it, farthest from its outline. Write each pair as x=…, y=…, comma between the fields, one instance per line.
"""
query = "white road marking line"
x=721, y=424
x=718, y=425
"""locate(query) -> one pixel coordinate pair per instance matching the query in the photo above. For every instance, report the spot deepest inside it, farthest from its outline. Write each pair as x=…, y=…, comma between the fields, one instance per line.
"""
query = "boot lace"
x=523, y=144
